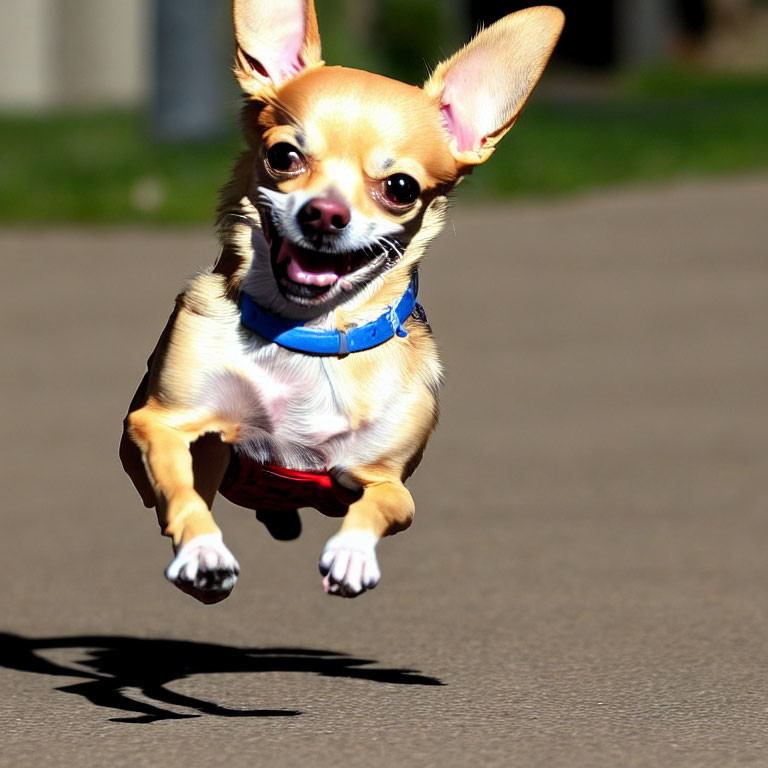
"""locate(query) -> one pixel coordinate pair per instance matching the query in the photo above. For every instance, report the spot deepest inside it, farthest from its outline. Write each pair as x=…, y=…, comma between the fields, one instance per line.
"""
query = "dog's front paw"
x=349, y=564
x=204, y=568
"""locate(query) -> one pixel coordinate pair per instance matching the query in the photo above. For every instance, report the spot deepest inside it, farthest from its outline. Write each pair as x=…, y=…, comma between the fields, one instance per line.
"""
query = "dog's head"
x=344, y=164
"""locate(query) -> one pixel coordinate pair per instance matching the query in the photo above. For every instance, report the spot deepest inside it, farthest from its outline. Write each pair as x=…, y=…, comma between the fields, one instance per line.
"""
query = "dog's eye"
x=401, y=189
x=285, y=158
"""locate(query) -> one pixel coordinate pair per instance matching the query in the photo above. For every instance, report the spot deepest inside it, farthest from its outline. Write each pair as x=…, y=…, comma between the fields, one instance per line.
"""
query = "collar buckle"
x=343, y=344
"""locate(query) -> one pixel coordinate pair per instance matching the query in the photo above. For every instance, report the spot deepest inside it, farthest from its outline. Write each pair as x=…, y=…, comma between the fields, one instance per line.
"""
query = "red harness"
x=267, y=487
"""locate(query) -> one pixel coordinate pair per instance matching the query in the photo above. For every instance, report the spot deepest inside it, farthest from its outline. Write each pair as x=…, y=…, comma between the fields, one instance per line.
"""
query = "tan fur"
x=355, y=129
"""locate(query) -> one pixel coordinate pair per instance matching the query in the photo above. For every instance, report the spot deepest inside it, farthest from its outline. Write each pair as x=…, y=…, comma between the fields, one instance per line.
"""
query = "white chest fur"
x=290, y=409
x=287, y=406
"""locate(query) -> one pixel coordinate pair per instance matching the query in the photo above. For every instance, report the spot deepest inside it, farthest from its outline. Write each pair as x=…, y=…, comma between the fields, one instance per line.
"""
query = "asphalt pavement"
x=586, y=581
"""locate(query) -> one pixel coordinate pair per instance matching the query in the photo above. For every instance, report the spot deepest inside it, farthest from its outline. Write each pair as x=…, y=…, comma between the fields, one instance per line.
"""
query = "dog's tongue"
x=308, y=267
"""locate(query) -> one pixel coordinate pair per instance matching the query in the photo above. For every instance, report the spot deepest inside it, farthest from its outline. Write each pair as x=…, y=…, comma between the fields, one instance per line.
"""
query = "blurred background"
x=114, y=111
x=587, y=568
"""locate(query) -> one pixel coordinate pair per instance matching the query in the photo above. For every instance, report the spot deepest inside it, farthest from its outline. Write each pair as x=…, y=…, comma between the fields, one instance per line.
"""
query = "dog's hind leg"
x=283, y=525
x=185, y=478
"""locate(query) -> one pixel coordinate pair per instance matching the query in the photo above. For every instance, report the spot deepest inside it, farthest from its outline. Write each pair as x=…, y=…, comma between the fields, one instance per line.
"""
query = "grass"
x=103, y=167
x=657, y=127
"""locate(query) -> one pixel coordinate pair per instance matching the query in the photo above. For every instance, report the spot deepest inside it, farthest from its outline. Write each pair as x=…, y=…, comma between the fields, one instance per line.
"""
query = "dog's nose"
x=322, y=215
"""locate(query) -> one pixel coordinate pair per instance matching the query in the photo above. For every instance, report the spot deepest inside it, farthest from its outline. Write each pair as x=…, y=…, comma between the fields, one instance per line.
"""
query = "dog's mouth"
x=308, y=276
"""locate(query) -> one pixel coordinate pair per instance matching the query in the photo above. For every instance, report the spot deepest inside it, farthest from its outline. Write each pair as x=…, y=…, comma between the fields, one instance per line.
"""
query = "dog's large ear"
x=482, y=88
x=276, y=39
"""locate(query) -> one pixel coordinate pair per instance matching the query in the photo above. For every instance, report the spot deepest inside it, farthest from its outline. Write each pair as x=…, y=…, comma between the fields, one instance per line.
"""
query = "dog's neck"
x=298, y=337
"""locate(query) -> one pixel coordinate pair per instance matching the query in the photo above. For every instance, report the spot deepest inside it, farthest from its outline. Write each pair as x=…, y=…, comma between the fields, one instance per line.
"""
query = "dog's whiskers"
x=392, y=248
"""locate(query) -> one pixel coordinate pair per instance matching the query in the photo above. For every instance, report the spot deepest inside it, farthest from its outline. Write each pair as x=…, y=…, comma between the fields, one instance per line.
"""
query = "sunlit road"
x=586, y=582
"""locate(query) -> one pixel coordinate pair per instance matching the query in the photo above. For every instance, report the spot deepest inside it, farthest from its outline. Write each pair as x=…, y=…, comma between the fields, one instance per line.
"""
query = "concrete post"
x=190, y=69
x=645, y=31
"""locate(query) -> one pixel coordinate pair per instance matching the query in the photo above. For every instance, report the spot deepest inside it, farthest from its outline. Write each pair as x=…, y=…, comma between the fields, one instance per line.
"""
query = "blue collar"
x=293, y=335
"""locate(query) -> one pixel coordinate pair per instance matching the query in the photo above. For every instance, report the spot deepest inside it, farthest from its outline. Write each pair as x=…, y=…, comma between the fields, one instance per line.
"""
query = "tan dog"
x=343, y=185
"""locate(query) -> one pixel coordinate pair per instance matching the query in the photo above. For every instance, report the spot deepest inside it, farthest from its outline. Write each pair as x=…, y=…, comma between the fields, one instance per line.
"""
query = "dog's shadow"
x=114, y=665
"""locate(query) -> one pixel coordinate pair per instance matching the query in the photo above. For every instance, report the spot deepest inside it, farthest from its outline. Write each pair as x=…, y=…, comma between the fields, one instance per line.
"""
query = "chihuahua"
x=299, y=370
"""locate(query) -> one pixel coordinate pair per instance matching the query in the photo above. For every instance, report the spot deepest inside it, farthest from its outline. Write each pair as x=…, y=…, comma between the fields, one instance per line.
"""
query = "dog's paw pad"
x=349, y=564
x=204, y=568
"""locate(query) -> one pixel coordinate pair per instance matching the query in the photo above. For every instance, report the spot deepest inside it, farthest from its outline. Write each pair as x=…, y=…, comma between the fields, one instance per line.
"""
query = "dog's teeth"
x=345, y=285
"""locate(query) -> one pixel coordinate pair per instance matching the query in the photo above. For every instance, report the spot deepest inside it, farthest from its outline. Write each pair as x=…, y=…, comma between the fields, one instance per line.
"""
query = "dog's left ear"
x=482, y=88
x=276, y=40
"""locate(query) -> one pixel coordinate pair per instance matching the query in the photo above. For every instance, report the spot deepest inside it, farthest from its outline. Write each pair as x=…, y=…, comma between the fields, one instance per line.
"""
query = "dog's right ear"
x=482, y=88
x=276, y=39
